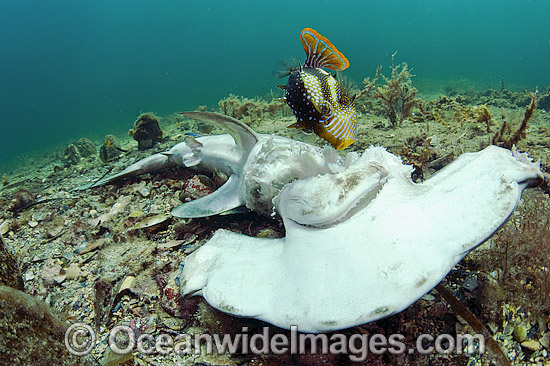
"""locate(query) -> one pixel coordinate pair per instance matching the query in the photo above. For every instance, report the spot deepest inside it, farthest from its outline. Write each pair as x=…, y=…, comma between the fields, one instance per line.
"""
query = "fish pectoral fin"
x=224, y=199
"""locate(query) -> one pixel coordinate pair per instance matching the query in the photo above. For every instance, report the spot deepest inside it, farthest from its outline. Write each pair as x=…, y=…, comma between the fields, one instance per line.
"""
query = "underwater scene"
x=275, y=183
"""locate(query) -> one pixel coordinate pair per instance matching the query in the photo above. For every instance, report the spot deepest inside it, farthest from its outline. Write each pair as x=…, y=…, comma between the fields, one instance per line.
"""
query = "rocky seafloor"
x=108, y=256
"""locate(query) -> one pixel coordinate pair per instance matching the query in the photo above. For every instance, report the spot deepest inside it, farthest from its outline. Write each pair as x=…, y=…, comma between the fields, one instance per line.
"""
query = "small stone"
x=531, y=345
x=33, y=223
x=520, y=333
x=4, y=227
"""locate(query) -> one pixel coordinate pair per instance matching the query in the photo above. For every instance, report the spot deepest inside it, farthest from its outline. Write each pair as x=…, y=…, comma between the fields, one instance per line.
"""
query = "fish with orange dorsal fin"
x=316, y=98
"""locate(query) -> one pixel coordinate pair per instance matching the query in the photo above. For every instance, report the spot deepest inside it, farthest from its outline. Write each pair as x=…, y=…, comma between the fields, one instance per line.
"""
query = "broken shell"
x=267, y=233
x=126, y=284
x=72, y=272
x=153, y=223
x=142, y=189
x=170, y=244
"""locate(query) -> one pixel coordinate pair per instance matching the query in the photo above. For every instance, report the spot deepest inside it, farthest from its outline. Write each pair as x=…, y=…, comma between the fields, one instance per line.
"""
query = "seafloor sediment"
x=106, y=256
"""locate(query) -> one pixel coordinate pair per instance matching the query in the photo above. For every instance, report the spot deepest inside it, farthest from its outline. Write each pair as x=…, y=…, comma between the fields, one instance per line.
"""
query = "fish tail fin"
x=321, y=52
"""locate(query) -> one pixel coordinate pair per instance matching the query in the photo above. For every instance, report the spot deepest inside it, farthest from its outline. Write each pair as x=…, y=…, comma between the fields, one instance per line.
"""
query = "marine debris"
x=146, y=131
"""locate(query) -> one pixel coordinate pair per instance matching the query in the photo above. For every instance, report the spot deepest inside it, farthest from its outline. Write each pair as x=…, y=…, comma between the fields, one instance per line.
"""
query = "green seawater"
x=70, y=69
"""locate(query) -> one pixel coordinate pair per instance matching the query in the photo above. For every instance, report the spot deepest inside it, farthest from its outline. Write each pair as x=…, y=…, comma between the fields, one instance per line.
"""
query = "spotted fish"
x=316, y=97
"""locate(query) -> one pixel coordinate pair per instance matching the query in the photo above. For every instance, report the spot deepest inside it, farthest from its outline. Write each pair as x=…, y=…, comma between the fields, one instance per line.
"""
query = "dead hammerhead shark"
x=258, y=166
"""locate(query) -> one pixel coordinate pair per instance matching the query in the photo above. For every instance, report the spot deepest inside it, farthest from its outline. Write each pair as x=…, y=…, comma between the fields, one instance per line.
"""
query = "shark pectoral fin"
x=148, y=165
x=223, y=199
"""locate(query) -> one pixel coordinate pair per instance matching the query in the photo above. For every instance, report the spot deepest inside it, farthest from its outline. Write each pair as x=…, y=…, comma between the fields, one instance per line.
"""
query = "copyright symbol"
x=80, y=339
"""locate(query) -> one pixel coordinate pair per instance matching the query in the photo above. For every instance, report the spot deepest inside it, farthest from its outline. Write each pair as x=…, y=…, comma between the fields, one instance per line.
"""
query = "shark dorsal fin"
x=244, y=136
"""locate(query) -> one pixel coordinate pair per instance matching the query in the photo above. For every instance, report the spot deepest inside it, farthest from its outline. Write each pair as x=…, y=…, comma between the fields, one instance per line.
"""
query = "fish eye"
x=325, y=108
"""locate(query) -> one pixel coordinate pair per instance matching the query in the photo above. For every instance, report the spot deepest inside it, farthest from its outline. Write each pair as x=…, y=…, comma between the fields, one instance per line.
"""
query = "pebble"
x=33, y=223
x=520, y=333
x=531, y=345
x=4, y=227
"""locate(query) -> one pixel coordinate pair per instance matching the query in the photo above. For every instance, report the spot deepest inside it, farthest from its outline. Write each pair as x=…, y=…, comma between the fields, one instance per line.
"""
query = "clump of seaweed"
x=398, y=97
x=146, y=131
x=499, y=138
x=85, y=147
x=249, y=110
x=519, y=255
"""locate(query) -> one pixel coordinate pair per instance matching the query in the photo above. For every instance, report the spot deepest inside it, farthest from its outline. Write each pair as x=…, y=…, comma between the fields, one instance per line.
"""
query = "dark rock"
x=31, y=334
x=85, y=147
x=146, y=131
x=71, y=156
x=9, y=270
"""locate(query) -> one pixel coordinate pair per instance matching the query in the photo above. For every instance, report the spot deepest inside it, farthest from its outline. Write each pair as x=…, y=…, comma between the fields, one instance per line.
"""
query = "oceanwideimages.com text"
x=80, y=340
